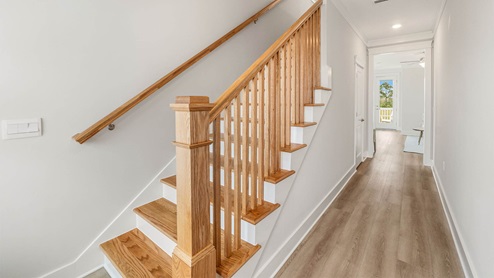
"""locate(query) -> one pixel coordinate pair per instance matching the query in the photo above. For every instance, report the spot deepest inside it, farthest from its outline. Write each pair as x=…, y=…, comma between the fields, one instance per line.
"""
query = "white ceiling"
x=395, y=60
x=374, y=21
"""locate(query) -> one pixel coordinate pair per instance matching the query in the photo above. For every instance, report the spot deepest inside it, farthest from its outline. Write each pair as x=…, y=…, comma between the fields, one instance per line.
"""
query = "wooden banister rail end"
x=191, y=103
x=322, y=88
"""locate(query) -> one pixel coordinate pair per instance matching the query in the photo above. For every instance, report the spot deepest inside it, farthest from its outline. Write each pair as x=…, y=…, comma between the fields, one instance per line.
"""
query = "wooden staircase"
x=228, y=156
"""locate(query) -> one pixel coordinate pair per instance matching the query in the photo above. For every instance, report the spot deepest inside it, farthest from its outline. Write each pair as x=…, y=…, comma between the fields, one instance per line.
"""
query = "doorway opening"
x=401, y=95
x=386, y=101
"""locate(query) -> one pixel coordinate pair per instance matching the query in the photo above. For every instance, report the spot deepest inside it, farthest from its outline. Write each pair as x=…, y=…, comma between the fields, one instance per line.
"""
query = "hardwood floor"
x=100, y=273
x=387, y=222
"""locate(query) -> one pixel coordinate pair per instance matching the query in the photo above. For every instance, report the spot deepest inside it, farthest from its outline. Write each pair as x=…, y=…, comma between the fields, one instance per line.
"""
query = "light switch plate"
x=14, y=129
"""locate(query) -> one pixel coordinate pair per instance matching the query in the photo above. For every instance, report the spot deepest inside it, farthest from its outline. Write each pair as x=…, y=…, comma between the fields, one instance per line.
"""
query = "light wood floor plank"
x=328, y=232
x=387, y=222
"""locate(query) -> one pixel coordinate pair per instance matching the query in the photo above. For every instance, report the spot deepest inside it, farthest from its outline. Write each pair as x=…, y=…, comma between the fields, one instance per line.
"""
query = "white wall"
x=412, y=99
x=330, y=156
x=463, y=59
x=72, y=62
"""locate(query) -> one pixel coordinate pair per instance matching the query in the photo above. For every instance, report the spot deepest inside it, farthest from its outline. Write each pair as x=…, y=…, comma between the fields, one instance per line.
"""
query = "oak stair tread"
x=304, y=124
x=254, y=216
x=279, y=176
x=314, y=104
x=135, y=255
x=272, y=178
x=171, y=181
x=293, y=147
x=162, y=214
x=229, y=266
x=322, y=88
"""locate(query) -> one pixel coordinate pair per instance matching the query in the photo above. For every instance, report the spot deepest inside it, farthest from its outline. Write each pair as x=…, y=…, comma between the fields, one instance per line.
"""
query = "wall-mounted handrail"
x=117, y=113
x=225, y=99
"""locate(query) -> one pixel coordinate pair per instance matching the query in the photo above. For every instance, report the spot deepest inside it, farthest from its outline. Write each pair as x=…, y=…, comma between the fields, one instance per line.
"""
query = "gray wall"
x=71, y=63
x=412, y=99
x=463, y=58
x=330, y=156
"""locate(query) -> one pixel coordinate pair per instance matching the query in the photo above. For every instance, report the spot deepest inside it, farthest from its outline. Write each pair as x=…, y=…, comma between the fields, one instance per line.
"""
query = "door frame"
x=396, y=77
x=359, y=64
x=429, y=108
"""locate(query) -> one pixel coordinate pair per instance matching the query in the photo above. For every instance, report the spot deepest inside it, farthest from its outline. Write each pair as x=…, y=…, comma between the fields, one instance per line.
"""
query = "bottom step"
x=135, y=255
x=238, y=258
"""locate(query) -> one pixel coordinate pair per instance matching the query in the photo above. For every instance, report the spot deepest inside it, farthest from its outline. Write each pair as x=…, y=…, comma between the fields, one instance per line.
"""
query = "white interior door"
x=359, y=113
x=386, y=102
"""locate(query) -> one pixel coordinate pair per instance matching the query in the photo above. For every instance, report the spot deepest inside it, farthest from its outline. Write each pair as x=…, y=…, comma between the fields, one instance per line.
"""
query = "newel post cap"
x=192, y=103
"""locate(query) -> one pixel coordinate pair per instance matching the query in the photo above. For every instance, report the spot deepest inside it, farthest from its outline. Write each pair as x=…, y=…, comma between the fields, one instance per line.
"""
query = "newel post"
x=194, y=256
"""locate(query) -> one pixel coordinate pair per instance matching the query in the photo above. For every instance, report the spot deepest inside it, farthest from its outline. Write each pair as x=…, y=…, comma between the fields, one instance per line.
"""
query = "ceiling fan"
x=420, y=62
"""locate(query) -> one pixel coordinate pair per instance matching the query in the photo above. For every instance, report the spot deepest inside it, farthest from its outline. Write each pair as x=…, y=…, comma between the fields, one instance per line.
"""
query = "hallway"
x=387, y=222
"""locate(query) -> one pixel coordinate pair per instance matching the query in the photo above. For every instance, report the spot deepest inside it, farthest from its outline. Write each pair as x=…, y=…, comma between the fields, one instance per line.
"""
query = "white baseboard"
x=91, y=256
x=274, y=264
x=91, y=271
x=465, y=258
x=410, y=133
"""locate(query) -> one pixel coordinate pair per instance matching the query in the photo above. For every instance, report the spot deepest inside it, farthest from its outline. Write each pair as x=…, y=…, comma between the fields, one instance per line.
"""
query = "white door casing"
x=429, y=105
x=359, y=112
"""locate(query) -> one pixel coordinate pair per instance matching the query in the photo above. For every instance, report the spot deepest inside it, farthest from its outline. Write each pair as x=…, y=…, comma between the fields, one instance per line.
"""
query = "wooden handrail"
x=230, y=93
x=117, y=113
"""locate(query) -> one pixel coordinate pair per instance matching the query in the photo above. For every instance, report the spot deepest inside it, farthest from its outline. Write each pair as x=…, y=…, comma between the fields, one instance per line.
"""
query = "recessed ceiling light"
x=396, y=26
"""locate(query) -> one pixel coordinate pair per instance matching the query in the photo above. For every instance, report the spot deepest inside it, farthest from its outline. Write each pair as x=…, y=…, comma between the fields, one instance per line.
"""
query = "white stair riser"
x=248, y=231
x=170, y=193
x=309, y=113
x=160, y=239
x=167, y=244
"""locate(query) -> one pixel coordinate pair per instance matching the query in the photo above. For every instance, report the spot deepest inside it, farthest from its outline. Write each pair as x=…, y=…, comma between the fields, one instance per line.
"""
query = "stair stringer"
x=279, y=192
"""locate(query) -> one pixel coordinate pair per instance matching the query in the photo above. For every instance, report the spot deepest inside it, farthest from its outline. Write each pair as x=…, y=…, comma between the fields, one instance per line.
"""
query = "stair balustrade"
x=247, y=128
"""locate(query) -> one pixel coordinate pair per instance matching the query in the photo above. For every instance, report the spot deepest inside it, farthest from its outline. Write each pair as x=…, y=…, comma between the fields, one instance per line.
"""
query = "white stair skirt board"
x=412, y=145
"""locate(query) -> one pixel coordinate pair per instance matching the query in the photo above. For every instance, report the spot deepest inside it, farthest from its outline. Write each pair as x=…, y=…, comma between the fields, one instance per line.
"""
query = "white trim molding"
x=359, y=62
x=429, y=109
x=278, y=259
x=349, y=19
x=415, y=37
x=440, y=15
x=463, y=253
x=400, y=48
